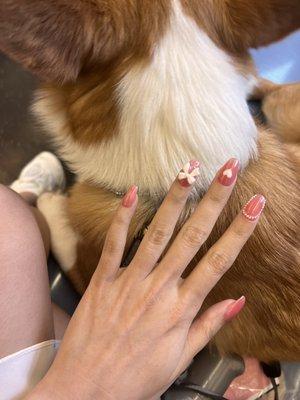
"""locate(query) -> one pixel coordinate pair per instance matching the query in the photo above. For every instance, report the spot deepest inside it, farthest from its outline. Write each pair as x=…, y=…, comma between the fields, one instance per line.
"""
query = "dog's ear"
x=255, y=23
x=51, y=38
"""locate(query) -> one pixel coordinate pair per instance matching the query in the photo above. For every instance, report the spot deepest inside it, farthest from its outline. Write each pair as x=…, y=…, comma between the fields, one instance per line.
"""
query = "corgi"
x=131, y=91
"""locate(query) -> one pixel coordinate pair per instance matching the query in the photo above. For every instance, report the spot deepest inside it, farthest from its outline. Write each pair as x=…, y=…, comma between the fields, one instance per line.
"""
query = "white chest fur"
x=189, y=102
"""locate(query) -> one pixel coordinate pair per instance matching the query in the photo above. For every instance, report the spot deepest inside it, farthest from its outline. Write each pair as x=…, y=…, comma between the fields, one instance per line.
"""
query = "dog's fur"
x=136, y=89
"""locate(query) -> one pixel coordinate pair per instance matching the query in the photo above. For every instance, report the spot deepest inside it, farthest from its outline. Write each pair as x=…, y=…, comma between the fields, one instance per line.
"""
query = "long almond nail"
x=235, y=308
x=229, y=172
x=253, y=209
x=187, y=176
x=130, y=197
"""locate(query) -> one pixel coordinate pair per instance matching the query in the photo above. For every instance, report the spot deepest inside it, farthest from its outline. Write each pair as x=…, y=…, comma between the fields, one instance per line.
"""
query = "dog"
x=132, y=90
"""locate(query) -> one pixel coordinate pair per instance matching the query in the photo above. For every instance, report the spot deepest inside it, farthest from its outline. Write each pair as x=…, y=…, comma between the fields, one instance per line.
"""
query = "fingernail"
x=130, y=196
x=254, y=207
x=229, y=172
x=187, y=176
x=235, y=308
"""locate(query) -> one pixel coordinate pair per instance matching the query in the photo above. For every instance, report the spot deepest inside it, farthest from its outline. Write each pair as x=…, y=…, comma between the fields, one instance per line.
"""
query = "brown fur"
x=94, y=42
x=267, y=272
x=282, y=106
x=34, y=33
x=91, y=103
x=94, y=224
x=238, y=25
x=58, y=39
x=268, y=268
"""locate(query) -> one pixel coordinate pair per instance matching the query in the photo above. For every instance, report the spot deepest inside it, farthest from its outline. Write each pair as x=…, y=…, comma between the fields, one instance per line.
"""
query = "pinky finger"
x=116, y=237
x=207, y=325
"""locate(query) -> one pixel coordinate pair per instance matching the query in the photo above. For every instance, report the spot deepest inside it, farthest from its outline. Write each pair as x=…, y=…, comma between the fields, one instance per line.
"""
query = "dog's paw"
x=63, y=238
x=51, y=204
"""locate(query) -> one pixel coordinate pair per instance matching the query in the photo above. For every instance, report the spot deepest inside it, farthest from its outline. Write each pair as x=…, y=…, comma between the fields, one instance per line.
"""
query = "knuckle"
x=177, y=197
x=218, y=262
x=152, y=298
x=208, y=331
x=215, y=197
x=193, y=236
x=159, y=235
x=119, y=220
x=178, y=313
x=240, y=232
x=194, y=306
x=111, y=246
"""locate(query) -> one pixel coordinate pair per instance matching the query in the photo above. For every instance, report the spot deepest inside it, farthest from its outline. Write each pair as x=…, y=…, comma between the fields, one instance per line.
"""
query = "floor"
x=20, y=140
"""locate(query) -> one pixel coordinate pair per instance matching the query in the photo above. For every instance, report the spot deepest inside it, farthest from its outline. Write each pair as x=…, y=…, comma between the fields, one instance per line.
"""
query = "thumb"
x=207, y=325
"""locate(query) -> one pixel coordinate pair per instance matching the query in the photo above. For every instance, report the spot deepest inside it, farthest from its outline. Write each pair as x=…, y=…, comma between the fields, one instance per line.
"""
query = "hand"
x=134, y=332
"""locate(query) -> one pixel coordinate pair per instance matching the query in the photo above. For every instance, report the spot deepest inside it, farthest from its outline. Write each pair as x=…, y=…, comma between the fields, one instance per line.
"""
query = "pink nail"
x=235, y=308
x=254, y=207
x=229, y=172
x=130, y=197
x=187, y=176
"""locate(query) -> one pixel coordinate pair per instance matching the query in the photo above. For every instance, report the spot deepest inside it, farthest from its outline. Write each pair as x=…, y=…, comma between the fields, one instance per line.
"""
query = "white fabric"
x=20, y=372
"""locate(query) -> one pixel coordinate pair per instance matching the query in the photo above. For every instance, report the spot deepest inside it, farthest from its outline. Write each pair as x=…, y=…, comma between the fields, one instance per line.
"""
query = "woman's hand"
x=135, y=332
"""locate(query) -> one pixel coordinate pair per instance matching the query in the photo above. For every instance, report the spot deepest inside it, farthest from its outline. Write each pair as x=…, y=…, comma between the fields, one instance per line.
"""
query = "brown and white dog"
x=136, y=88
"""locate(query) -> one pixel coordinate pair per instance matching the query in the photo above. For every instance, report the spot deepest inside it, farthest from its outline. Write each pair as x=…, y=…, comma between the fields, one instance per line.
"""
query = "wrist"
x=58, y=387
x=54, y=387
x=42, y=391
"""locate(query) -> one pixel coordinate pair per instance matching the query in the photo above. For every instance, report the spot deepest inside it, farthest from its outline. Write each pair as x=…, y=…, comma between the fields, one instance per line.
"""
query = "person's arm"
x=136, y=331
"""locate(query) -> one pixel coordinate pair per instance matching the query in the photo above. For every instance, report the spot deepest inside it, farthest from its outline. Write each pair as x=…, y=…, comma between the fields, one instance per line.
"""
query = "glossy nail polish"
x=229, y=171
x=235, y=308
x=130, y=197
x=187, y=176
x=254, y=207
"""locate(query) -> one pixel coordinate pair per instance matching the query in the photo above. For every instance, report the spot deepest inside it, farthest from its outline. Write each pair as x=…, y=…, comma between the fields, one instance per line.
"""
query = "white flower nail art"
x=189, y=172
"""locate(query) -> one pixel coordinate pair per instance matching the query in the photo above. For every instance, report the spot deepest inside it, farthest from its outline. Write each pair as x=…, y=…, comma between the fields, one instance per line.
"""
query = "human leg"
x=25, y=306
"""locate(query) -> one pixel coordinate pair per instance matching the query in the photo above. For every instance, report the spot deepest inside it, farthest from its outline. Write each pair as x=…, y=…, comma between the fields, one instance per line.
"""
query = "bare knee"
x=17, y=219
x=5, y=194
x=12, y=203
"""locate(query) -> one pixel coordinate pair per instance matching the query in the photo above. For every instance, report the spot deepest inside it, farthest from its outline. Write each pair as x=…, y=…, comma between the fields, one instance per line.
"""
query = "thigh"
x=25, y=306
x=61, y=321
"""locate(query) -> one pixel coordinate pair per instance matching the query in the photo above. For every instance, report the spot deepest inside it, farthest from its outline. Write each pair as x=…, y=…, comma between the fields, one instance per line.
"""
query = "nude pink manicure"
x=229, y=171
x=130, y=197
x=235, y=308
x=187, y=176
x=253, y=209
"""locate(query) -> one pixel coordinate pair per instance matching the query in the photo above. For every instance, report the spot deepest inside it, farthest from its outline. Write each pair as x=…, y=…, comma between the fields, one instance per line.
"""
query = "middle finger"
x=197, y=229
